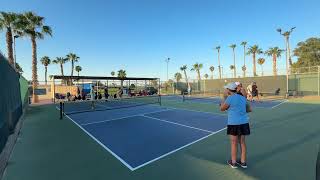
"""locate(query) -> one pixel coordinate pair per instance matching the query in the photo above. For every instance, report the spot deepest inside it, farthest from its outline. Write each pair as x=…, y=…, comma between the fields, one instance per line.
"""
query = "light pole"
x=14, y=49
x=167, y=61
x=286, y=35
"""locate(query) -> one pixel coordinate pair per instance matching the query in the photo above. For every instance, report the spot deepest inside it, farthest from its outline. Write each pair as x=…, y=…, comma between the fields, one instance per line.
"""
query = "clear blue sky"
x=137, y=35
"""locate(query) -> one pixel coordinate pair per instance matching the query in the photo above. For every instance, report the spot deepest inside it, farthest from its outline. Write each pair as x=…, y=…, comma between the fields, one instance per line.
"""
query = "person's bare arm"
x=224, y=107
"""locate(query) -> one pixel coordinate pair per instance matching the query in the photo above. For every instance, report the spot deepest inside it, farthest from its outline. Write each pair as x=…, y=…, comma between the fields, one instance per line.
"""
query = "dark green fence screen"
x=10, y=100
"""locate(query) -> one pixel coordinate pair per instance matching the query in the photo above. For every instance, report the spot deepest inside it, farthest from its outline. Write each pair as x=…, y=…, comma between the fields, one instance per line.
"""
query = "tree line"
x=307, y=53
x=29, y=25
x=33, y=27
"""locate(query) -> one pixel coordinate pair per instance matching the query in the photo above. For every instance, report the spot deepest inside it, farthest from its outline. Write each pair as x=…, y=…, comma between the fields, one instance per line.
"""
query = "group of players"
x=95, y=94
x=250, y=92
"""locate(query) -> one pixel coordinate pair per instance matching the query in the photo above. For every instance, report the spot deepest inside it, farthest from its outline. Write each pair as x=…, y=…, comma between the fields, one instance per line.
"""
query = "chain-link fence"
x=301, y=81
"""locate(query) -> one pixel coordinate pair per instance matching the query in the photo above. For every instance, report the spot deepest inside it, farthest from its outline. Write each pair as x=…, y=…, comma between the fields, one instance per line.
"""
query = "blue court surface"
x=140, y=135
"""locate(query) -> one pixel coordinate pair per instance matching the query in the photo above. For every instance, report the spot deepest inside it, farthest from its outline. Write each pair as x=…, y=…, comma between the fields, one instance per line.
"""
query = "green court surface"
x=283, y=144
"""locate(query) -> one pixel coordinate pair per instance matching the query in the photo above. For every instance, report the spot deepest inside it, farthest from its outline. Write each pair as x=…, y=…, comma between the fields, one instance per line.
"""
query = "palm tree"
x=286, y=34
x=197, y=67
x=72, y=58
x=33, y=26
x=232, y=68
x=275, y=52
x=61, y=61
x=206, y=76
x=244, y=68
x=112, y=73
x=218, y=48
x=9, y=21
x=211, y=70
x=178, y=76
x=254, y=50
x=244, y=43
x=184, y=69
x=122, y=75
x=233, y=46
x=45, y=61
x=78, y=69
x=261, y=62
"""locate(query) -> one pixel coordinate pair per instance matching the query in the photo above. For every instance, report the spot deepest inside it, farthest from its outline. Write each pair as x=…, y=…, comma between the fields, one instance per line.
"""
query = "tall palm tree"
x=60, y=61
x=211, y=70
x=112, y=73
x=232, y=68
x=72, y=58
x=45, y=61
x=261, y=62
x=184, y=69
x=178, y=76
x=275, y=52
x=254, y=50
x=122, y=75
x=78, y=69
x=33, y=26
x=197, y=67
x=9, y=22
x=233, y=46
x=244, y=43
x=219, y=67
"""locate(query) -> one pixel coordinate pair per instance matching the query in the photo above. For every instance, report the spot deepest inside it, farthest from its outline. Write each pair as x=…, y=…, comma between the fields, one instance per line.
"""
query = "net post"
x=54, y=90
x=183, y=97
x=160, y=102
x=61, y=110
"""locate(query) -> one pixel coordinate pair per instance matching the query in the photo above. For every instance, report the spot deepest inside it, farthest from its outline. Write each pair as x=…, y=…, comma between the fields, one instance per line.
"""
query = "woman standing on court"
x=238, y=124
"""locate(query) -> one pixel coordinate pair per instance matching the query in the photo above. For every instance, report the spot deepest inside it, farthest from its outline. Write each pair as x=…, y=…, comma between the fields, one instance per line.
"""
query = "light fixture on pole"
x=167, y=61
x=286, y=35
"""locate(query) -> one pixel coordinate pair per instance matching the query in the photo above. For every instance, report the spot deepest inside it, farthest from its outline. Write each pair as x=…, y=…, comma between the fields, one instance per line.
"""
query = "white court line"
x=176, y=123
x=175, y=150
x=105, y=147
x=279, y=104
x=97, y=122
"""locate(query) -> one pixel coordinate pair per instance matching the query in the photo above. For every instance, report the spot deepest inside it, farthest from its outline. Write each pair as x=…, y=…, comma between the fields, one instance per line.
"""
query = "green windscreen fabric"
x=10, y=98
x=24, y=91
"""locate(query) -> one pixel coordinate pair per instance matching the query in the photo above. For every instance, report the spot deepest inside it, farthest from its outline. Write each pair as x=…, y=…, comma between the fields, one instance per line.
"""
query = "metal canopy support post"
x=159, y=86
x=318, y=80
x=54, y=90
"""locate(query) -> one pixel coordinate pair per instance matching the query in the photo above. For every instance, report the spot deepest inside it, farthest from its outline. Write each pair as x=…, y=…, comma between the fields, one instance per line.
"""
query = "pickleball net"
x=75, y=107
x=201, y=95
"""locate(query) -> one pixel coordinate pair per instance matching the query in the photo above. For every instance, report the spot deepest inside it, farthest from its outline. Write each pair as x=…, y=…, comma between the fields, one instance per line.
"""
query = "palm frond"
x=39, y=35
x=46, y=30
x=233, y=46
x=243, y=43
